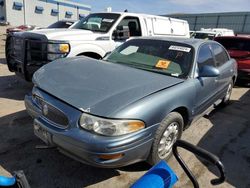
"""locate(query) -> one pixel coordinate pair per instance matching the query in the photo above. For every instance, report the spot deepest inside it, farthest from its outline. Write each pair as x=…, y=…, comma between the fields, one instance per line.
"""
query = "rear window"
x=235, y=43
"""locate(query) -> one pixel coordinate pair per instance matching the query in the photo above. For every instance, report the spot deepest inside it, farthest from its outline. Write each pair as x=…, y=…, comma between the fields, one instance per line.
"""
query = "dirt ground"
x=225, y=132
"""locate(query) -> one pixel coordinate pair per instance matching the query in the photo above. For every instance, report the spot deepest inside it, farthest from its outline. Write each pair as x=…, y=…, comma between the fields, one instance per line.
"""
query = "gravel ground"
x=225, y=132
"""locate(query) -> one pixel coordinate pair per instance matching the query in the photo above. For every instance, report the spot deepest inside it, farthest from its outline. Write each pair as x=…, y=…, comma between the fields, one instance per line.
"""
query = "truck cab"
x=93, y=36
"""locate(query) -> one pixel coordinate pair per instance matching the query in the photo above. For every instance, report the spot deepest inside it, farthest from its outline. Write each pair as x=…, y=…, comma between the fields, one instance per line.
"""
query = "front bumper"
x=87, y=147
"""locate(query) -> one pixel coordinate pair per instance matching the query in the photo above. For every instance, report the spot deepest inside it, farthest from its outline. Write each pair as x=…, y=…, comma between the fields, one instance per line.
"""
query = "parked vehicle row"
x=127, y=101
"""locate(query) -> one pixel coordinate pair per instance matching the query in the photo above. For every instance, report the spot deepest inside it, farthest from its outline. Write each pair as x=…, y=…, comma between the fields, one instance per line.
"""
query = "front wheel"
x=167, y=133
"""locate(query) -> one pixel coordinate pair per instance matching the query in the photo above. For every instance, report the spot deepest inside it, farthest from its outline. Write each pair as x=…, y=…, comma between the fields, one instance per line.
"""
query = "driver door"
x=206, y=87
x=129, y=26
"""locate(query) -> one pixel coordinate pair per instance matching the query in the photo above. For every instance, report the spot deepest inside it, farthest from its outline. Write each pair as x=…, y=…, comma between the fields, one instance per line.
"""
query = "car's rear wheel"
x=167, y=133
x=226, y=98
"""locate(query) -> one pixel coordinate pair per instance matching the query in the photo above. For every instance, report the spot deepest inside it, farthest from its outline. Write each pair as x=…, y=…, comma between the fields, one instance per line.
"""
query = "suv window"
x=133, y=25
x=220, y=55
x=205, y=56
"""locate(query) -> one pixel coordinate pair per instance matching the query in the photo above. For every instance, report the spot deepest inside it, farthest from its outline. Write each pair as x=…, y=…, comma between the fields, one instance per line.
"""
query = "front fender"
x=154, y=108
x=82, y=48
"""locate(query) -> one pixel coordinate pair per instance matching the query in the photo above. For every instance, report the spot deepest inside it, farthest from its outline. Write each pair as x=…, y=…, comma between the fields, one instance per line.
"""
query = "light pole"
x=24, y=16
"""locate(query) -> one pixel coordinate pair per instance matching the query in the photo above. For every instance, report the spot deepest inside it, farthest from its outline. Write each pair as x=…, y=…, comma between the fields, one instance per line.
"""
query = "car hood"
x=100, y=87
x=67, y=34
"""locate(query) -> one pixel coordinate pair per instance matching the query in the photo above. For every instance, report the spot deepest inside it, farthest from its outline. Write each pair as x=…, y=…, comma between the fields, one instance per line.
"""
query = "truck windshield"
x=159, y=56
x=100, y=22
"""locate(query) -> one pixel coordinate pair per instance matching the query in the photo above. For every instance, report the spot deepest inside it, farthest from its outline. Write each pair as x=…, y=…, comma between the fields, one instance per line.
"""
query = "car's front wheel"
x=167, y=133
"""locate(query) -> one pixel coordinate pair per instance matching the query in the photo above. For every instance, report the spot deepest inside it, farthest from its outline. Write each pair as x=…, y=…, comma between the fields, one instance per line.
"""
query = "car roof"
x=189, y=41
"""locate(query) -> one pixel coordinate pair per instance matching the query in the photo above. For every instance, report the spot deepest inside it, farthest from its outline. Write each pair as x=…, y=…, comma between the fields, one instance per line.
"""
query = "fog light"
x=112, y=156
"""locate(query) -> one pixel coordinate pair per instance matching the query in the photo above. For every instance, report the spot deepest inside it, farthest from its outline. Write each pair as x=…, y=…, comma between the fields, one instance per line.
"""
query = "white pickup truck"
x=93, y=36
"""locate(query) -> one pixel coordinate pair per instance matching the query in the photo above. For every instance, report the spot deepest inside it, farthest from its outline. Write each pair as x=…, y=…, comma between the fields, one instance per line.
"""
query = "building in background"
x=238, y=21
x=40, y=12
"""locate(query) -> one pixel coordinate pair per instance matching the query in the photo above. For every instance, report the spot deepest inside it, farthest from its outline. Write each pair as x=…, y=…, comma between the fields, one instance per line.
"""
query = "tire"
x=172, y=125
x=226, y=98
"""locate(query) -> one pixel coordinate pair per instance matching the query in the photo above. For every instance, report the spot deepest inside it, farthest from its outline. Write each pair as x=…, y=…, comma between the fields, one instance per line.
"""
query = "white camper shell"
x=211, y=33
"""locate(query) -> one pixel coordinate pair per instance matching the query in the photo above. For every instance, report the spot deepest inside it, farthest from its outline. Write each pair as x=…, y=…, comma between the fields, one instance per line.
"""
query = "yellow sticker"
x=163, y=64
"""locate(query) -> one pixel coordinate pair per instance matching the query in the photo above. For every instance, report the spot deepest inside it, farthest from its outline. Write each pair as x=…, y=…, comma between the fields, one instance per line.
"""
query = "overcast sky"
x=169, y=6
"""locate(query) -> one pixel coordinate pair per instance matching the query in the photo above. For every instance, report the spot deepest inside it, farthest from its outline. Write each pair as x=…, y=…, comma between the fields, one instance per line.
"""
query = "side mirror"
x=121, y=33
x=208, y=71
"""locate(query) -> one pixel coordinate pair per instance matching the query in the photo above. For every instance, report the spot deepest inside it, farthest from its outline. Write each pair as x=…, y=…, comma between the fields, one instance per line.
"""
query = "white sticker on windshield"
x=108, y=20
x=179, y=48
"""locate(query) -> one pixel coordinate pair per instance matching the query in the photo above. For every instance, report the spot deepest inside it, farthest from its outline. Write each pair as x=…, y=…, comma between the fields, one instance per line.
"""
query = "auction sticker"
x=179, y=48
x=163, y=64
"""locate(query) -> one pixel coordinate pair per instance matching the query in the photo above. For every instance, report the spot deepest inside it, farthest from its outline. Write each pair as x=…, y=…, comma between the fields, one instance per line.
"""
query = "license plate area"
x=43, y=134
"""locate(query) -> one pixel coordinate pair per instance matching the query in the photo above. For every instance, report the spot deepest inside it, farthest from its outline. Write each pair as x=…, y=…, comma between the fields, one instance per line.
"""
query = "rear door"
x=225, y=66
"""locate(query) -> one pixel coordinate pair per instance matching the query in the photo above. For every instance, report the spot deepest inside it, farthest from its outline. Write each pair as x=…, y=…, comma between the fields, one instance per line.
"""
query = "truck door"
x=206, y=87
x=129, y=26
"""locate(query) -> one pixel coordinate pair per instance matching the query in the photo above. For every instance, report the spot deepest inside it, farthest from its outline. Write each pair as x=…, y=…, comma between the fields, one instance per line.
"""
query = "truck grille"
x=14, y=49
x=51, y=113
x=36, y=50
x=18, y=44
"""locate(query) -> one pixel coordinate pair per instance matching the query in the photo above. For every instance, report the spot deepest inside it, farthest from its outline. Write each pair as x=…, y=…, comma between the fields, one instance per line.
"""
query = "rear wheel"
x=167, y=133
x=226, y=99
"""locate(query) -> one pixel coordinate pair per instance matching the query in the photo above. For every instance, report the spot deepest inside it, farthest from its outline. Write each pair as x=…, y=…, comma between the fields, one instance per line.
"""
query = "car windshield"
x=100, y=22
x=209, y=36
x=61, y=24
x=235, y=43
x=159, y=56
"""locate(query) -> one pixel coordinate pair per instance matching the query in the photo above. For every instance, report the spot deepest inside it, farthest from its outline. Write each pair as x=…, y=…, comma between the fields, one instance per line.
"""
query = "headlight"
x=110, y=127
x=57, y=50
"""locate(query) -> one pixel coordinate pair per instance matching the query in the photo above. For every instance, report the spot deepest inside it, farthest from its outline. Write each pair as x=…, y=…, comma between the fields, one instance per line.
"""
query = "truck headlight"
x=57, y=50
x=109, y=127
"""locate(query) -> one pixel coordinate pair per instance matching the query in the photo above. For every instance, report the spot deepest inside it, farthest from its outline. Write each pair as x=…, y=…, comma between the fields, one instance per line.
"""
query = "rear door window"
x=220, y=55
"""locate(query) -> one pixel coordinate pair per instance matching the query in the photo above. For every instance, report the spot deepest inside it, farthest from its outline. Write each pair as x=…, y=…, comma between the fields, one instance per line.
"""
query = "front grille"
x=36, y=50
x=18, y=45
x=51, y=113
x=14, y=49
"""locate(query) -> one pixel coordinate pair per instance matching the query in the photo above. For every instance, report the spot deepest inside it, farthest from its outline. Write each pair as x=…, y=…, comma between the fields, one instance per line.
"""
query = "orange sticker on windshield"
x=163, y=64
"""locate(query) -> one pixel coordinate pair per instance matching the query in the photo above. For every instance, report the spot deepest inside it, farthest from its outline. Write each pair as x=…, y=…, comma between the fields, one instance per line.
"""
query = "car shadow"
x=229, y=140
x=3, y=61
x=42, y=167
x=137, y=167
x=13, y=87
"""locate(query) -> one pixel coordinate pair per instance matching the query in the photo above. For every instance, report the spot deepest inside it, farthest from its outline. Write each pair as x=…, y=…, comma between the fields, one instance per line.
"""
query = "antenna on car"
x=126, y=10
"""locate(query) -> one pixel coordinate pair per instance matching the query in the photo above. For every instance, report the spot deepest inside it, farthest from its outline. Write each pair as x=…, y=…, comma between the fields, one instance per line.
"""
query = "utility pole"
x=24, y=16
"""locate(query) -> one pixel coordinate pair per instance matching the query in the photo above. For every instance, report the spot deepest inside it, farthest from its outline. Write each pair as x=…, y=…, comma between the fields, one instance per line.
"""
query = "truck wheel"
x=167, y=133
x=226, y=98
